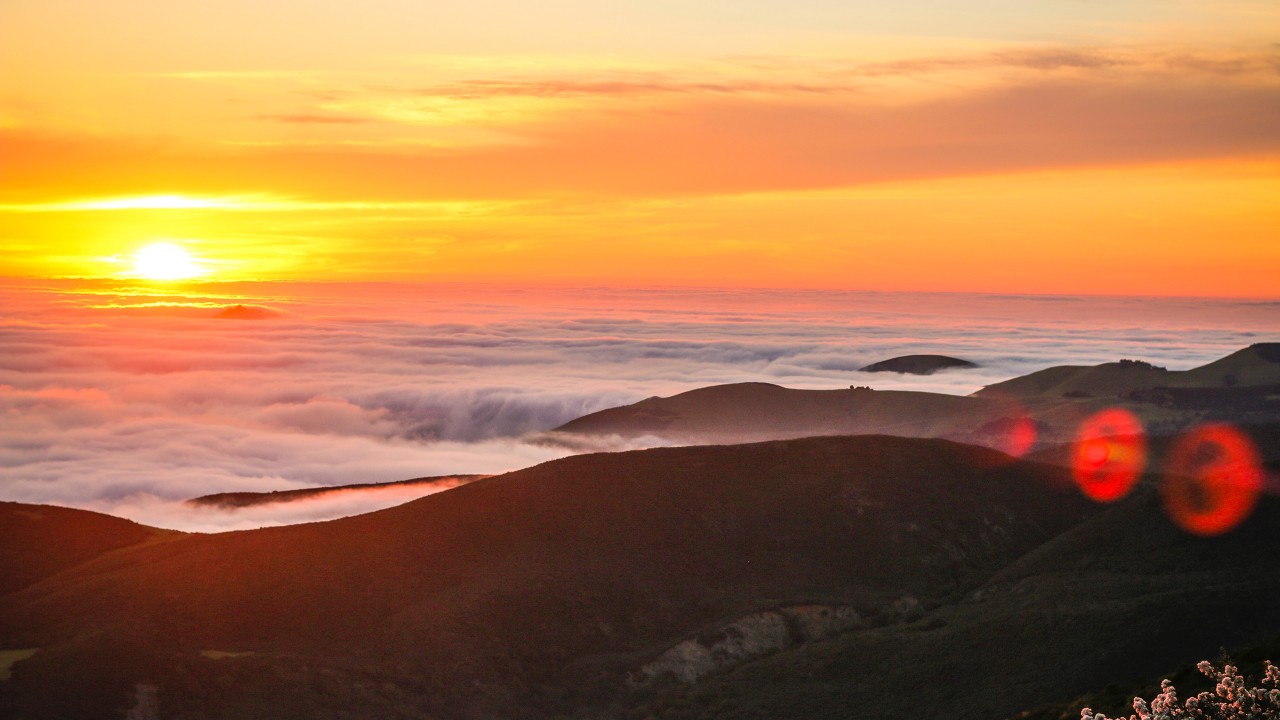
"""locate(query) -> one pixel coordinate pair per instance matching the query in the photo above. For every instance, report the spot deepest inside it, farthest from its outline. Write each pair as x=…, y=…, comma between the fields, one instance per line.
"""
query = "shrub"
x=1231, y=699
x=1127, y=364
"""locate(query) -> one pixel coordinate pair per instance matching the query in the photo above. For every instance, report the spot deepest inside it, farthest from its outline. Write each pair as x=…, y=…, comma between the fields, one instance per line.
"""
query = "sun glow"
x=139, y=202
x=165, y=261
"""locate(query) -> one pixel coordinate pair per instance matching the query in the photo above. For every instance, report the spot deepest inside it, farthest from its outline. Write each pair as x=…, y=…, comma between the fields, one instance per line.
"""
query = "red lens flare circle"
x=1109, y=454
x=1212, y=480
x=1021, y=438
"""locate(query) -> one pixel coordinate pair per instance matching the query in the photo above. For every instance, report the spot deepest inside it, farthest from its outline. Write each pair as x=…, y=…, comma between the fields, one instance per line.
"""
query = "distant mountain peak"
x=246, y=312
x=919, y=364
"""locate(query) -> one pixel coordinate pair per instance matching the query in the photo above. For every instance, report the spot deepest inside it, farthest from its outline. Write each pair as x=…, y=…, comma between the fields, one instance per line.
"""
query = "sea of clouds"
x=130, y=400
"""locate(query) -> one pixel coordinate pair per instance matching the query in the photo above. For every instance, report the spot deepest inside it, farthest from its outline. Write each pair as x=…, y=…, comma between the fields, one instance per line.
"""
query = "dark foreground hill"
x=582, y=583
x=858, y=577
x=37, y=541
x=1119, y=601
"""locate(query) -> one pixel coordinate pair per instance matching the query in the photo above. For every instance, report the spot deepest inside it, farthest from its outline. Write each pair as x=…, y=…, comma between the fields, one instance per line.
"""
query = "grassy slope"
x=754, y=411
x=1255, y=366
x=1117, y=600
x=1243, y=387
x=537, y=589
x=39, y=541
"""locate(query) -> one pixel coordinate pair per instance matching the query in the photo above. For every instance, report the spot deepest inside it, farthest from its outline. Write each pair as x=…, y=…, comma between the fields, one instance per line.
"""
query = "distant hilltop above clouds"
x=919, y=364
x=1243, y=387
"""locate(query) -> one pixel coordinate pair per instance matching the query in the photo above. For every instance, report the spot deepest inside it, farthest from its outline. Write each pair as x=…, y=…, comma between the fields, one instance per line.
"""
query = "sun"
x=165, y=261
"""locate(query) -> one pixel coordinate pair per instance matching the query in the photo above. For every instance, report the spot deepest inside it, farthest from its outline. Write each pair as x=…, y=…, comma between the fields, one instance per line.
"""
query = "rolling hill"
x=831, y=576
x=1119, y=601
x=748, y=412
x=1243, y=387
x=562, y=586
x=37, y=541
x=1255, y=368
x=918, y=364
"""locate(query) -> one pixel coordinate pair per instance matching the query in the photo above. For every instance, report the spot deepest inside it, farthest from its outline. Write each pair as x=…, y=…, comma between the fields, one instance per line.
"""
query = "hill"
x=1255, y=368
x=1119, y=601
x=246, y=312
x=918, y=364
x=566, y=585
x=746, y=412
x=1090, y=618
x=37, y=541
x=1047, y=406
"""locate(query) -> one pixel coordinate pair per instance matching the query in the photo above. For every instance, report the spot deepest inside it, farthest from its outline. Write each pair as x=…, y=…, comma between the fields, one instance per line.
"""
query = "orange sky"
x=1127, y=147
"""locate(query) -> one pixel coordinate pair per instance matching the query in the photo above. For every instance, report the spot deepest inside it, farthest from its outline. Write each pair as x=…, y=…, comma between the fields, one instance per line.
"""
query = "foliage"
x=1231, y=699
x=1126, y=364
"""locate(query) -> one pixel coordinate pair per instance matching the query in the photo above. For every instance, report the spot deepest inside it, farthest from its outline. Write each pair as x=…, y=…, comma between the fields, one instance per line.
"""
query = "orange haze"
x=1060, y=147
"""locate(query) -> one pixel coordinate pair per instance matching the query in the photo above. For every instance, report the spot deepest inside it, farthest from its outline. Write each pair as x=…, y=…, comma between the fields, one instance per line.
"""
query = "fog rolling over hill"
x=130, y=407
x=874, y=577
x=525, y=594
x=1255, y=369
x=1242, y=387
x=870, y=576
x=231, y=501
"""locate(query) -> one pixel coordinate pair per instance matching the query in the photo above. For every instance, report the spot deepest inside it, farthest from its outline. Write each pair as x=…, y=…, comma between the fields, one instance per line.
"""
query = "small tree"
x=1230, y=699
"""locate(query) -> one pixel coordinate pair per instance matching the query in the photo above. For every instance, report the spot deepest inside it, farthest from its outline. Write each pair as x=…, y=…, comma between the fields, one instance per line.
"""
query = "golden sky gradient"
x=1064, y=146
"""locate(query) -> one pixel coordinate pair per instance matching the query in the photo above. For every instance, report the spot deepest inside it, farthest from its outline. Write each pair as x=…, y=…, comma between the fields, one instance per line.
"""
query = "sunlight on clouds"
x=129, y=396
x=470, y=112
x=964, y=233
x=255, y=203
x=854, y=145
x=146, y=202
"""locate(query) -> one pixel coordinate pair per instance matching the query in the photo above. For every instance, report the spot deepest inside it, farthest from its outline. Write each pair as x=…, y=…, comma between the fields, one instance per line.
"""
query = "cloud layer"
x=680, y=130
x=113, y=402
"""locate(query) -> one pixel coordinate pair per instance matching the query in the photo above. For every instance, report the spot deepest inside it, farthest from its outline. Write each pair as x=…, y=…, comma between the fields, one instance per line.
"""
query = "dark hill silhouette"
x=253, y=499
x=37, y=541
x=1243, y=387
x=1257, y=366
x=527, y=593
x=1121, y=600
x=746, y=412
x=918, y=364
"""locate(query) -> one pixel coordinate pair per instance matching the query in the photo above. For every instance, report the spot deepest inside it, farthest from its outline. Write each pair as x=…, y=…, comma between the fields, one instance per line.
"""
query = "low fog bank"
x=130, y=402
x=157, y=512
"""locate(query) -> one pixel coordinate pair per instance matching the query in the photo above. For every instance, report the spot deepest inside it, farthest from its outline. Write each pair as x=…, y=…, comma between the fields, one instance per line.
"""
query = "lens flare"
x=1109, y=454
x=1008, y=426
x=1212, y=480
x=1022, y=436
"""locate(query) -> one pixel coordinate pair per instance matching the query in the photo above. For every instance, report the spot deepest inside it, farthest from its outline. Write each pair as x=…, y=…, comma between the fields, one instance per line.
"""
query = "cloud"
x=157, y=511
x=1247, y=65
x=776, y=125
x=552, y=88
x=132, y=414
x=836, y=75
x=314, y=119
